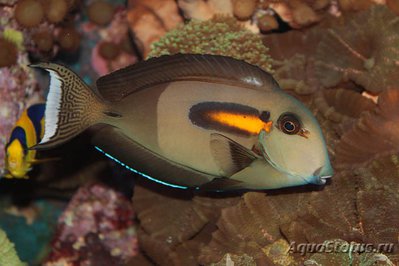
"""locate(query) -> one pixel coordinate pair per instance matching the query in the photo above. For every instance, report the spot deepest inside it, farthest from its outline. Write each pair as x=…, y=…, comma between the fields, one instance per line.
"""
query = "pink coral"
x=96, y=228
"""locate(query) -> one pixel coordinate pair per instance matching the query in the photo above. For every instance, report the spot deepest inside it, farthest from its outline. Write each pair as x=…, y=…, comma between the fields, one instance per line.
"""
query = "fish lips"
x=322, y=174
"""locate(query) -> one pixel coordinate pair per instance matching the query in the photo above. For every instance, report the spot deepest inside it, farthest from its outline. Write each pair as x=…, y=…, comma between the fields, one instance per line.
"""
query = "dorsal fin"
x=167, y=68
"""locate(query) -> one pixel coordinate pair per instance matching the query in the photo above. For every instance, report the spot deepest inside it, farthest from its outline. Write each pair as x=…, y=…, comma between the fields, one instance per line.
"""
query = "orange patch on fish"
x=249, y=123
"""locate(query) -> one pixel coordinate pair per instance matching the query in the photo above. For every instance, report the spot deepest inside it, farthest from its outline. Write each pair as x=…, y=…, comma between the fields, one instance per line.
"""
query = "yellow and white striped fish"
x=199, y=121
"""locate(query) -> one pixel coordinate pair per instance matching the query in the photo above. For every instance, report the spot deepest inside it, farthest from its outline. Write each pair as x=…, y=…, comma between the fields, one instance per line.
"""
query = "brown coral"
x=244, y=9
x=29, y=13
x=8, y=53
x=44, y=40
x=294, y=64
x=55, y=10
x=100, y=12
x=181, y=223
x=150, y=20
x=375, y=133
x=69, y=39
x=219, y=36
x=363, y=50
x=339, y=105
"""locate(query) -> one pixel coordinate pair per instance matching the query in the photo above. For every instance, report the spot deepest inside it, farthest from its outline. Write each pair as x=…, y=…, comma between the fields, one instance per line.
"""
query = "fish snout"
x=322, y=174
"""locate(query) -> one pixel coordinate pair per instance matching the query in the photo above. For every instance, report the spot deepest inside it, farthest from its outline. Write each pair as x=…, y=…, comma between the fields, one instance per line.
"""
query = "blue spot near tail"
x=138, y=172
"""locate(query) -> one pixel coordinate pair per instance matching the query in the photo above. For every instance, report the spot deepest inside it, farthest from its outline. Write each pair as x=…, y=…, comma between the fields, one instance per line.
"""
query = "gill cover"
x=302, y=156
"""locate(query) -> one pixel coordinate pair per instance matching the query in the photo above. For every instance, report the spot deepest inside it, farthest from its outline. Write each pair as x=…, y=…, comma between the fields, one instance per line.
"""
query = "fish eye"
x=289, y=124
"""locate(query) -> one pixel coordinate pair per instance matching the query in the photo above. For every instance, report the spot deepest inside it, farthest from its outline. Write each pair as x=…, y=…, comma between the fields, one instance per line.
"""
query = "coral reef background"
x=341, y=58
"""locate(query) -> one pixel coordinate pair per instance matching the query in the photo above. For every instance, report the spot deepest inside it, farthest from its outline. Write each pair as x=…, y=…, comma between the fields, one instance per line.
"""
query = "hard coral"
x=180, y=229
x=364, y=50
x=100, y=12
x=8, y=53
x=204, y=10
x=219, y=36
x=294, y=64
x=150, y=20
x=55, y=10
x=338, y=105
x=374, y=133
x=29, y=13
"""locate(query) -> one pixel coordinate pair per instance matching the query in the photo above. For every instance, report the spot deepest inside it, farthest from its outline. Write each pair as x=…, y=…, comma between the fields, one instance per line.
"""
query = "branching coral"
x=364, y=50
x=220, y=36
x=8, y=255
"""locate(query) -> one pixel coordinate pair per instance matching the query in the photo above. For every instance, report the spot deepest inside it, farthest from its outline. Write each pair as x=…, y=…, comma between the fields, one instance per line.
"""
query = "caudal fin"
x=71, y=106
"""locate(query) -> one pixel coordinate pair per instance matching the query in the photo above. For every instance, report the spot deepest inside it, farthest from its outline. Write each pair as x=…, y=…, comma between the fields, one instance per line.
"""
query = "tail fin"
x=71, y=106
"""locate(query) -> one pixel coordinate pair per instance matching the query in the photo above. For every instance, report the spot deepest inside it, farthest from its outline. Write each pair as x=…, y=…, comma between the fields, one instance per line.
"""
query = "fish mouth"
x=321, y=180
x=322, y=174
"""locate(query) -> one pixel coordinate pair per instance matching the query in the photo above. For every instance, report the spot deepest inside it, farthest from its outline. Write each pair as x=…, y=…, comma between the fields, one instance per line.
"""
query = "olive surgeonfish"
x=202, y=121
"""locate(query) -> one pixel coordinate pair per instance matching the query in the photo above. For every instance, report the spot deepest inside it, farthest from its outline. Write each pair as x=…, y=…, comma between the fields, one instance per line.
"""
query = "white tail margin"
x=71, y=106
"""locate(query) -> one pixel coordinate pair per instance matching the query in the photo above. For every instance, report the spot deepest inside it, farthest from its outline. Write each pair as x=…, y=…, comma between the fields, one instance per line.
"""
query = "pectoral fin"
x=229, y=155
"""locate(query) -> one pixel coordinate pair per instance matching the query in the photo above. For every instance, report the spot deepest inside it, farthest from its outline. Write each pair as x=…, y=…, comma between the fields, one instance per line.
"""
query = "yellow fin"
x=8, y=176
x=39, y=161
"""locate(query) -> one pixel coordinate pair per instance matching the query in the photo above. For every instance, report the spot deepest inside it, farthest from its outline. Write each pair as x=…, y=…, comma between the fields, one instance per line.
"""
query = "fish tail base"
x=71, y=106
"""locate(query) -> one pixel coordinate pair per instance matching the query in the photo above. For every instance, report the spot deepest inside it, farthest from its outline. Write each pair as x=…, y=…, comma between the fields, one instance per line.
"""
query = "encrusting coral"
x=376, y=132
x=220, y=36
x=363, y=50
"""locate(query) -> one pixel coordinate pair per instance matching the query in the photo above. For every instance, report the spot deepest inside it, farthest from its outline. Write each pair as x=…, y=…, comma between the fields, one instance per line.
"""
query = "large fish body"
x=193, y=121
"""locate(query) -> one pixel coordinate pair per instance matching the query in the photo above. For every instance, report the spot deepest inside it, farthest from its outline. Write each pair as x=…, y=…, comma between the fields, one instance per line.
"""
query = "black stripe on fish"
x=18, y=133
x=36, y=114
x=201, y=116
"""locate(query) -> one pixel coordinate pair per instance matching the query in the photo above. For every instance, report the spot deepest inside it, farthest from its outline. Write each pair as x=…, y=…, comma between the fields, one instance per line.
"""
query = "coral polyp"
x=8, y=53
x=55, y=10
x=69, y=39
x=364, y=50
x=100, y=12
x=44, y=40
x=373, y=134
x=219, y=36
x=29, y=13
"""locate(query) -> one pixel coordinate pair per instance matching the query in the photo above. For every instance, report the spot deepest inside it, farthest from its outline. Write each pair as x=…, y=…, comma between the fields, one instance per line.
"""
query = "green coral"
x=14, y=36
x=218, y=36
x=8, y=255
